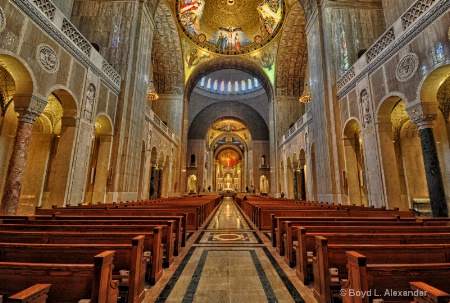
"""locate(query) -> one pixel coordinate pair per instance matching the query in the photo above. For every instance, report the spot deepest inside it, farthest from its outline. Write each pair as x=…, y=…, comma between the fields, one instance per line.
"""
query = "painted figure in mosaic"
x=237, y=42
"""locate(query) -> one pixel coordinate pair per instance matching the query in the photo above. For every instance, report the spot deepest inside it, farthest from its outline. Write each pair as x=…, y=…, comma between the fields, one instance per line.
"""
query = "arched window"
x=250, y=85
x=209, y=84
x=215, y=85
x=222, y=86
x=229, y=86
x=202, y=83
x=236, y=86
x=256, y=82
x=243, y=85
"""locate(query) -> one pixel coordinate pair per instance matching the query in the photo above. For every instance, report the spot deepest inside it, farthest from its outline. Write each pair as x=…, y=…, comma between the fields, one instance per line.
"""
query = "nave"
x=229, y=261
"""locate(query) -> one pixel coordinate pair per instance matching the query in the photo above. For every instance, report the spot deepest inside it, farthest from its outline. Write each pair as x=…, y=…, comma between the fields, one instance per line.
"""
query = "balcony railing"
x=156, y=121
x=59, y=28
x=401, y=32
x=297, y=127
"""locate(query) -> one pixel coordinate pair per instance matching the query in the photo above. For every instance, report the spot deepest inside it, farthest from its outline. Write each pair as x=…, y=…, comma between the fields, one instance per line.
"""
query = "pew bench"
x=167, y=236
x=152, y=243
x=389, y=282
x=37, y=293
x=307, y=244
x=70, y=282
x=425, y=293
x=332, y=258
x=127, y=256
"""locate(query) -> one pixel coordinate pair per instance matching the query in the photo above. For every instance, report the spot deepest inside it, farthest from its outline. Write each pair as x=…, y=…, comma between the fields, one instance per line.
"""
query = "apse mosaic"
x=230, y=26
x=228, y=158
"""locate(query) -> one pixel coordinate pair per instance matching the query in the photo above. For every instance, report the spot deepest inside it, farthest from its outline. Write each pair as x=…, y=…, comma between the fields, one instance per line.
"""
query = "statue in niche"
x=89, y=106
x=365, y=108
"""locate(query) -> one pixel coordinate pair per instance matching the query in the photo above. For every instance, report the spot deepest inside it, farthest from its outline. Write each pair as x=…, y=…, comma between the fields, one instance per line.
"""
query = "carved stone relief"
x=364, y=105
x=89, y=102
x=407, y=67
x=47, y=58
x=2, y=20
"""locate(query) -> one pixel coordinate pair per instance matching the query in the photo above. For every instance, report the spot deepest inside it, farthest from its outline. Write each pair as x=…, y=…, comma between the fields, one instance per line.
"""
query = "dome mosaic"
x=230, y=27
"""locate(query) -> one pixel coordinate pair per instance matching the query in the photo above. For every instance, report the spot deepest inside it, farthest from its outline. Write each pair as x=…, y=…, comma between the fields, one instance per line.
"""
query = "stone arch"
x=165, y=186
x=303, y=181
x=313, y=180
x=250, y=117
x=353, y=175
x=397, y=149
x=292, y=58
x=20, y=71
x=233, y=135
x=153, y=177
x=289, y=179
x=153, y=156
x=228, y=62
x=97, y=181
x=282, y=180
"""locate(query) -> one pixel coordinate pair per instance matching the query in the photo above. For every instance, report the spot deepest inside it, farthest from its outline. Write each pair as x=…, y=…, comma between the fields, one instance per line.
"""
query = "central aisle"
x=228, y=261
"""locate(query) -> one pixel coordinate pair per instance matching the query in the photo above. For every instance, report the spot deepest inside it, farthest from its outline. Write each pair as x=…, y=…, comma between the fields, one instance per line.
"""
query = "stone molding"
x=47, y=58
x=424, y=121
x=407, y=67
x=402, y=39
x=38, y=13
x=2, y=20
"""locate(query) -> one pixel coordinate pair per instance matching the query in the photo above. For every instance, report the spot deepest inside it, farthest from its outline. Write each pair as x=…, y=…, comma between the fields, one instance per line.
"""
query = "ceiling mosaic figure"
x=230, y=27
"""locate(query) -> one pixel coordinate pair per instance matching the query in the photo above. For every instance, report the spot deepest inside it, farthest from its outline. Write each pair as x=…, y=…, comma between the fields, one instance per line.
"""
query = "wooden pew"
x=69, y=282
x=127, y=256
x=37, y=293
x=307, y=243
x=425, y=293
x=167, y=236
x=179, y=227
x=387, y=280
x=288, y=244
x=152, y=243
x=287, y=234
x=191, y=214
x=334, y=256
x=264, y=218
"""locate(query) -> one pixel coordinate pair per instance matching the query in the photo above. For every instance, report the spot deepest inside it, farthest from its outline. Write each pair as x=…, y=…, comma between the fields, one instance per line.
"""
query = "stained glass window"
x=222, y=86
x=243, y=85
x=209, y=84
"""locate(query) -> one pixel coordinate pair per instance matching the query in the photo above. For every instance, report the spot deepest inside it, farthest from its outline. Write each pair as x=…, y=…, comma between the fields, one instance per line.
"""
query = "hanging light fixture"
x=306, y=95
x=151, y=92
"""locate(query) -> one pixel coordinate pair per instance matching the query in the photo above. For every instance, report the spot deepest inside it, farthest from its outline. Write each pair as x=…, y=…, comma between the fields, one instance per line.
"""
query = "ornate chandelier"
x=306, y=95
x=151, y=92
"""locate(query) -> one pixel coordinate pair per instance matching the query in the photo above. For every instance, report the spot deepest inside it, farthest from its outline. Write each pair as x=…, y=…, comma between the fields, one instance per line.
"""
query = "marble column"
x=432, y=167
x=302, y=183
x=295, y=172
x=152, y=182
x=17, y=162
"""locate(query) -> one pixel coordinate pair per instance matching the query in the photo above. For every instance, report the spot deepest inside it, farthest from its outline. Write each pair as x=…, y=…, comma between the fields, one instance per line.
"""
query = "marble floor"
x=229, y=261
